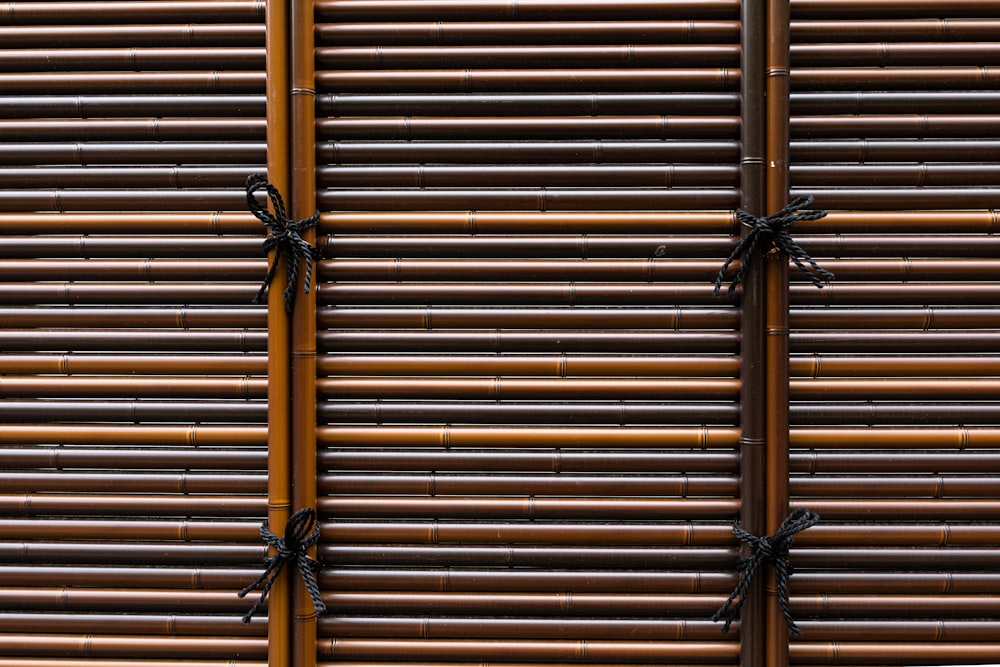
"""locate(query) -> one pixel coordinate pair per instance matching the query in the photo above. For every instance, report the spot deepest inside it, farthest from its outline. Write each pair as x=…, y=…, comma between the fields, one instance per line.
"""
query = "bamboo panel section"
x=892, y=405
x=528, y=394
x=134, y=403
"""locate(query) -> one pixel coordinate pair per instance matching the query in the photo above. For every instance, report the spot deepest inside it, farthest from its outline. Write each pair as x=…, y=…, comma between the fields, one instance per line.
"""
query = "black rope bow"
x=284, y=237
x=301, y=532
x=772, y=549
x=773, y=230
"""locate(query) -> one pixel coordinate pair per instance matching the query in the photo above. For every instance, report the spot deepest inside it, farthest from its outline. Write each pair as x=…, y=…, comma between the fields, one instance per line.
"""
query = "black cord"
x=284, y=237
x=301, y=533
x=772, y=549
x=773, y=230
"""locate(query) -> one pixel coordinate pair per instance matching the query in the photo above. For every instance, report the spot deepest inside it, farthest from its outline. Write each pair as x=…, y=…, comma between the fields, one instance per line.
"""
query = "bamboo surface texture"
x=872, y=119
x=534, y=423
x=131, y=550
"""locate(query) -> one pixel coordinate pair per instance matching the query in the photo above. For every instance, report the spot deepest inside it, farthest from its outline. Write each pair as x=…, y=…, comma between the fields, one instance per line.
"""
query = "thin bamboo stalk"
x=302, y=115
x=279, y=456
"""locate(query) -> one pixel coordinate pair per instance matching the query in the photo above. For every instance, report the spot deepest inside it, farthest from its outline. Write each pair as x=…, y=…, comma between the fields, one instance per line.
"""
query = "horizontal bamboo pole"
x=894, y=101
x=112, y=662
x=552, y=199
x=133, y=387
x=896, y=53
x=65, y=458
x=133, y=647
x=401, y=10
x=204, y=82
x=484, y=80
x=890, y=413
x=114, y=318
x=514, y=341
x=125, y=269
x=99, y=12
x=92, y=482
x=125, y=577
x=937, y=389
x=131, y=411
x=840, y=535
x=90, y=553
x=649, y=126
x=881, y=78
x=57, y=599
x=532, y=653
x=540, y=508
x=914, y=509
x=134, y=341
x=146, y=153
x=211, y=130
x=135, y=58
x=894, y=653
x=410, y=627
x=80, y=293
x=647, y=222
x=931, y=28
x=139, y=177
x=112, y=505
x=529, y=270
x=912, y=126
x=430, y=578
x=881, y=150
x=890, y=8
x=502, y=389
x=527, y=437
x=910, y=460
x=89, y=109
x=527, y=604
x=348, y=293
x=130, y=435
x=119, y=364
x=925, y=175
x=154, y=35
x=434, y=176
x=534, y=365
x=159, y=226
x=577, y=414
x=563, y=365
x=499, y=484
x=554, y=56
x=139, y=200
x=168, y=624
x=478, y=32
x=912, y=583
x=510, y=106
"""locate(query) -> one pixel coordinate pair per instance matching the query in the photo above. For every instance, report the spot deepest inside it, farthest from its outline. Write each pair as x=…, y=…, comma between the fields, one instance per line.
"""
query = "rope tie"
x=284, y=237
x=301, y=533
x=772, y=549
x=773, y=230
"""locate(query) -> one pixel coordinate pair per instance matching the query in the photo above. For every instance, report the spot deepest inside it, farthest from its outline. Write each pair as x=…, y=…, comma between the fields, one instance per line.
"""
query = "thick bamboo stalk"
x=400, y=10
x=155, y=35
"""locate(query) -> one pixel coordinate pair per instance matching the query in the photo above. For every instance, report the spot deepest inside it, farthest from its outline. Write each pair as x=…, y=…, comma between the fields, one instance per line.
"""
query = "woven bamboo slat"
x=137, y=482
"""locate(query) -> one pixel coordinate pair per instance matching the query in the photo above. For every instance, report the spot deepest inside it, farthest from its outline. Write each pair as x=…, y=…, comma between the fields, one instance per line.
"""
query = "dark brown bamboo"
x=132, y=647
x=90, y=109
x=167, y=129
x=931, y=28
x=910, y=9
x=510, y=105
x=657, y=126
x=211, y=11
x=400, y=10
x=106, y=36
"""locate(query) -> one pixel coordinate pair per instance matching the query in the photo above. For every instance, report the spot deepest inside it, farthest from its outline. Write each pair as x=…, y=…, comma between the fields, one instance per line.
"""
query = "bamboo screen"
x=133, y=365
x=528, y=419
x=894, y=367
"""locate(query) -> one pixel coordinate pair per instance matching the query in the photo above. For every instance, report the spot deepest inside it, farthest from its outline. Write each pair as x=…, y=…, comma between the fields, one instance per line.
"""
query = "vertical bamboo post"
x=776, y=314
x=752, y=416
x=303, y=203
x=278, y=347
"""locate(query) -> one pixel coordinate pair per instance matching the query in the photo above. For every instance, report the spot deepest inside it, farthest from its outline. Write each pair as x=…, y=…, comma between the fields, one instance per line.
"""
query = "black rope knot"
x=773, y=230
x=770, y=549
x=284, y=237
x=301, y=533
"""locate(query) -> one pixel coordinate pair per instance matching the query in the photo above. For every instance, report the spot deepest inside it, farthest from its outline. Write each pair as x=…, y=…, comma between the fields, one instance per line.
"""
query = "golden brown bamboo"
x=279, y=492
x=94, y=364
x=133, y=434
x=820, y=30
x=132, y=647
x=99, y=12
